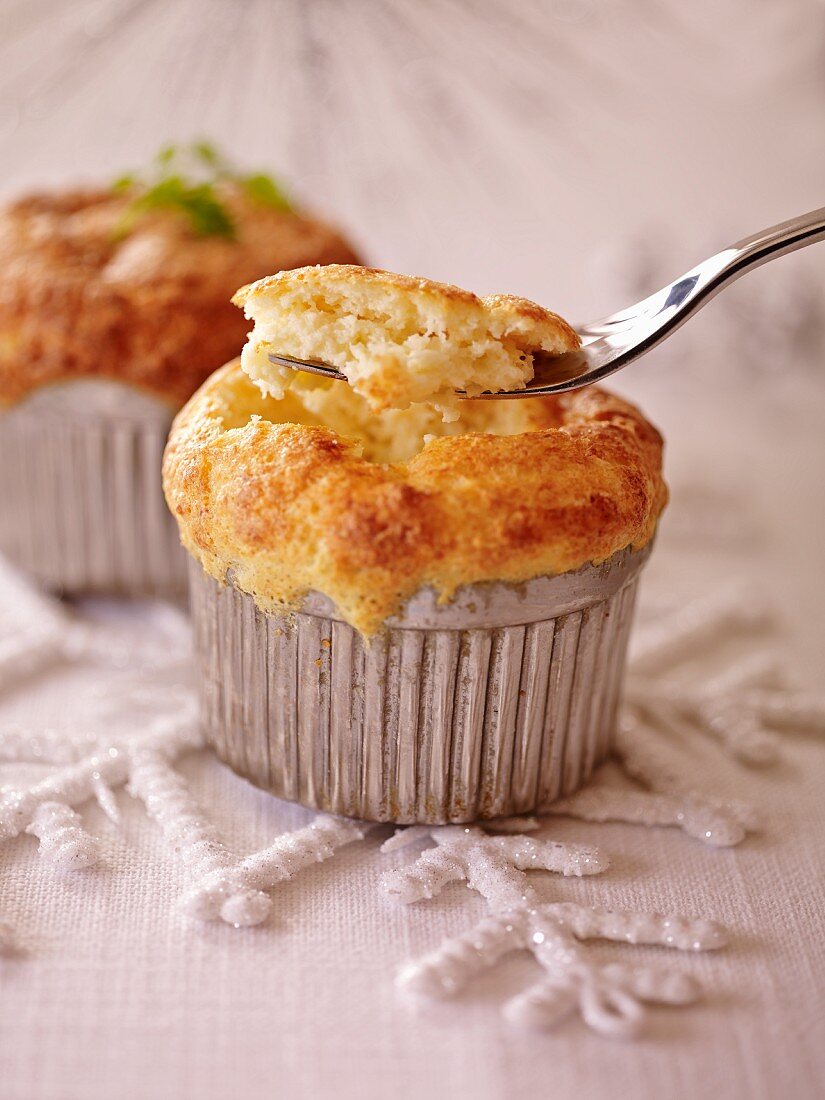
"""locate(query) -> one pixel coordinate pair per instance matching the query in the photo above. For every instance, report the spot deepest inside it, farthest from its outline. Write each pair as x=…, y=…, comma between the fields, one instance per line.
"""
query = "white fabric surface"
x=503, y=154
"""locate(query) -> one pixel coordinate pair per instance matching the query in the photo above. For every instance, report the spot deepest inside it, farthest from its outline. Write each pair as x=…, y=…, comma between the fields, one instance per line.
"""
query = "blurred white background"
x=504, y=144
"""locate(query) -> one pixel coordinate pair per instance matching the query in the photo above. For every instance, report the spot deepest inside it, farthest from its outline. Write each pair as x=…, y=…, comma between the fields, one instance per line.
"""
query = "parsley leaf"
x=184, y=178
x=265, y=190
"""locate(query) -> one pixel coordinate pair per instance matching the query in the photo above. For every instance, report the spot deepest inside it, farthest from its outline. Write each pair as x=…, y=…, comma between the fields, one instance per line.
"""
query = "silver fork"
x=613, y=342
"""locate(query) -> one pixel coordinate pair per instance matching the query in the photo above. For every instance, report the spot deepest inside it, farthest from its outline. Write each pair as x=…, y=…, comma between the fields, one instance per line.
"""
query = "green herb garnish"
x=265, y=190
x=186, y=179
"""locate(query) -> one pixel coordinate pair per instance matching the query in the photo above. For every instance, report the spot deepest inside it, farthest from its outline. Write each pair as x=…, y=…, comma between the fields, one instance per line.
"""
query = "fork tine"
x=310, y=366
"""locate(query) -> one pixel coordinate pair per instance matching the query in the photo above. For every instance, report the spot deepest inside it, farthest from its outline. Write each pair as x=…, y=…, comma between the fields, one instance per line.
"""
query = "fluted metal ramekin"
x=81, y=504
x=494, y=704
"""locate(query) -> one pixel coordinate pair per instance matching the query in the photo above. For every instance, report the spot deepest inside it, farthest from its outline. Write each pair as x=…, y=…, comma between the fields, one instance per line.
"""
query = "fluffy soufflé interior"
x=395, y=435
x=399, y=341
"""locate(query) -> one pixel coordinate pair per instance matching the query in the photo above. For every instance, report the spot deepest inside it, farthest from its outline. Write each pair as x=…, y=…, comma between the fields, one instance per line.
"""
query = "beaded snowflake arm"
x=225, y=886
x=745, y=705
x=62, y=836
x=695, y=626
x=609, y=998
x=744, y=708
x=21, y=745
x=38, y=633
x=236, y=891
x=87, y=765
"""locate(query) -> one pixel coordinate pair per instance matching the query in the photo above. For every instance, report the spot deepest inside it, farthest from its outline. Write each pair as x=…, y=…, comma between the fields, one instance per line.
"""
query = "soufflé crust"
x=270, y=497
x=151, y=307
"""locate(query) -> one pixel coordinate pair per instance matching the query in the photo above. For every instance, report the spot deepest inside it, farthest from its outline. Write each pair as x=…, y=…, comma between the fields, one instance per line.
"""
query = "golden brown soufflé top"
x=80, y=298
x=315, y=491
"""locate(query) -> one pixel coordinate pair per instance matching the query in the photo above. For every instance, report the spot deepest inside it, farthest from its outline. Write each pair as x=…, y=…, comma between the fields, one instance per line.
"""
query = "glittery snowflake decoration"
x=609, y=998
x=224, y=886
x=747, y=705
x=744, y=708
x=85, y=765
x=740, y=708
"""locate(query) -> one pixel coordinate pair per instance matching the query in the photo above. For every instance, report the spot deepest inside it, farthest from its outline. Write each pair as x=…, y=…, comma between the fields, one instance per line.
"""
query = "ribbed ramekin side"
x=416, y=725
x=82, y=508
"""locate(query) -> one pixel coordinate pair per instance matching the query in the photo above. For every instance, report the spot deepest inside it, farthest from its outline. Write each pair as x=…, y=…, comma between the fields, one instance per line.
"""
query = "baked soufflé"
x=310, y=488
x=133, y=281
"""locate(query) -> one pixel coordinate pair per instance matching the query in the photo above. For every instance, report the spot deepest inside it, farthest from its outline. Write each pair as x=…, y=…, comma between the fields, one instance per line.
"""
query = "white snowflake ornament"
x=744, y=707
x=609, y=998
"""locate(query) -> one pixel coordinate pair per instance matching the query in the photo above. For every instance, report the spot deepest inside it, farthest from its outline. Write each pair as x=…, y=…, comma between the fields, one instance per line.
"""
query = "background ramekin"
x=81, y=504
x=493, y=704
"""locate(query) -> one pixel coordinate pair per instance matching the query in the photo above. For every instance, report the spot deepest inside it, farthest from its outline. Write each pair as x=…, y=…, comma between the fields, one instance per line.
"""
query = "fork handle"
x=779, y=240
x=668, y=309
